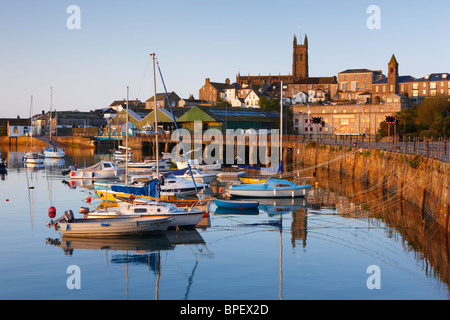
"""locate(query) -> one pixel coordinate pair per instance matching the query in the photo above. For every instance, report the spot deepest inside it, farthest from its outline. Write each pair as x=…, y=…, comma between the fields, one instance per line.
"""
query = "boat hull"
x=184, y=220
x=113, y=226
x=110, y=174
x=33, y=158
x=49, y=153
x=233, y=204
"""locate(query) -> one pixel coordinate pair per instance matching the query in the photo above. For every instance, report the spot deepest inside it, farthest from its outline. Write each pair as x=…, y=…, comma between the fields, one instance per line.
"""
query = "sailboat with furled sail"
x=32, y=157
x=52, y=151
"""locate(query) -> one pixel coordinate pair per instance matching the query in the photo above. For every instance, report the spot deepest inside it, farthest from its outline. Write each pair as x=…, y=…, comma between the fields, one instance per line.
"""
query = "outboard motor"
x=68, y=215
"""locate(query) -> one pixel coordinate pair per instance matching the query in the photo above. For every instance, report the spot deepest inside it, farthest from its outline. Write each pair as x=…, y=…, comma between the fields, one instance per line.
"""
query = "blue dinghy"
x=235, y=204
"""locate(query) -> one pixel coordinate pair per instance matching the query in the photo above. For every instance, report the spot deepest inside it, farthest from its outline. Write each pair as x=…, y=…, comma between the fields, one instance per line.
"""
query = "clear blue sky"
x=193, y=40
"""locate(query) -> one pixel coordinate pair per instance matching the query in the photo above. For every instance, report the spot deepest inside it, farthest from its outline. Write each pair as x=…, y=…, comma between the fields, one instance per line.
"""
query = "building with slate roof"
x=223, y=118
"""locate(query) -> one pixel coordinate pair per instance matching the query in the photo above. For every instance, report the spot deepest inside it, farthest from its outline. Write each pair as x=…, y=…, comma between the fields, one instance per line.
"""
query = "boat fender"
x=68, y=215
x=52, y=212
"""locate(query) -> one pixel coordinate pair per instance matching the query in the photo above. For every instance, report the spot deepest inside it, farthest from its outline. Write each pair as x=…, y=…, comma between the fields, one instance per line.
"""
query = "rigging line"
x=144, y=76
x=176, y=125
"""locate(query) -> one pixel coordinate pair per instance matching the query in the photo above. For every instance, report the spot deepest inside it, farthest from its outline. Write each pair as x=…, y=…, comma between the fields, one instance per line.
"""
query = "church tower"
x=393, y=75
x=300, y=60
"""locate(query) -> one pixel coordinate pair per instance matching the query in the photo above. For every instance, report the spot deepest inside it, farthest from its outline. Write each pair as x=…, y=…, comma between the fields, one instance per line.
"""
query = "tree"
x=407, y=118
x=432, y=105
x=267, y=103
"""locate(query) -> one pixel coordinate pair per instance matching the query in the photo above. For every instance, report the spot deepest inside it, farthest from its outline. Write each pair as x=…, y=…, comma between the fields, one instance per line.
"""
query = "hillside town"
x=353, y=102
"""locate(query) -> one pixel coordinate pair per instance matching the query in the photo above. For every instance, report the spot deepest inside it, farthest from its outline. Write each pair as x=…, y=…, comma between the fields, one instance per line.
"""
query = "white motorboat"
x=164, y=164
x=121, y=153
x=107, y=227
x=144, y=208
x=54, y=152
x=199, y=176
x=194, y=163
x=101, y=170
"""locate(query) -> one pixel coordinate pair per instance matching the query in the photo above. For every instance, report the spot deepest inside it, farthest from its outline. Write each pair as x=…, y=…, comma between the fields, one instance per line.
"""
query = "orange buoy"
x=220, y=189
x=88, y=199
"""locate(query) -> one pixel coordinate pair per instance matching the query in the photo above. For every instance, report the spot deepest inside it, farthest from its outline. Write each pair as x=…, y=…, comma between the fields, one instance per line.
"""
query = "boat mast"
x=281, y=122
x=126, y=145
x=156, y=118
x=51, y=103
x=31, y=122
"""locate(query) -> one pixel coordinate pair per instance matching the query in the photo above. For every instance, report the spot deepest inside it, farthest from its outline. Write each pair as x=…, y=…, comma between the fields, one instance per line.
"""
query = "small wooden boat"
x=236, y=204
x=109, y=227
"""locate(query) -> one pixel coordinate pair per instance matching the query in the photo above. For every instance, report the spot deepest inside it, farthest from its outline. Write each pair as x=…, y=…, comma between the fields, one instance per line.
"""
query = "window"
x=415, y=93
x=344, y=122
x=344, y=110
x=433, y=85
x=381, y=110
x=376, y=89
x=15, y=130
x=140, y=210
x=415, y=86
x=352, y=120
x=296, y=122
x=323, y=110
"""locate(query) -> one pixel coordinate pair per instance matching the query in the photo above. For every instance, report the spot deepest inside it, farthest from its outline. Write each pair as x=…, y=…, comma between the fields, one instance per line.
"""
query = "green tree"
x=267, y=103
x=407, y=119
x=432, y=105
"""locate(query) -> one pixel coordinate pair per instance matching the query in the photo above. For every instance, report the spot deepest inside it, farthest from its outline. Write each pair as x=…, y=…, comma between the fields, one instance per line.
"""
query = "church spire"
x=306, y=40
x=295, y=40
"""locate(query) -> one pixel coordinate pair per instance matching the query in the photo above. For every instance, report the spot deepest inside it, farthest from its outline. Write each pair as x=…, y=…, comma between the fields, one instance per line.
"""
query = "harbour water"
x=321, y=247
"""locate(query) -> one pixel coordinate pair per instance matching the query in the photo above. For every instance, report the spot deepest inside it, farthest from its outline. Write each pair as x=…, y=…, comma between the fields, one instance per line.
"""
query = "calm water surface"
x=315, y=249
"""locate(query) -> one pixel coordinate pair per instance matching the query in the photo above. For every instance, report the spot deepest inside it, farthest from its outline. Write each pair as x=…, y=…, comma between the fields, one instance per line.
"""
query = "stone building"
x=213, y=91
x=346, y=119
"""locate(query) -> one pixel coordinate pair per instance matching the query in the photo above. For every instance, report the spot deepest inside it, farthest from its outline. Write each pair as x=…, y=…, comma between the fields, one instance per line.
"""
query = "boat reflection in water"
x=144, y=250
